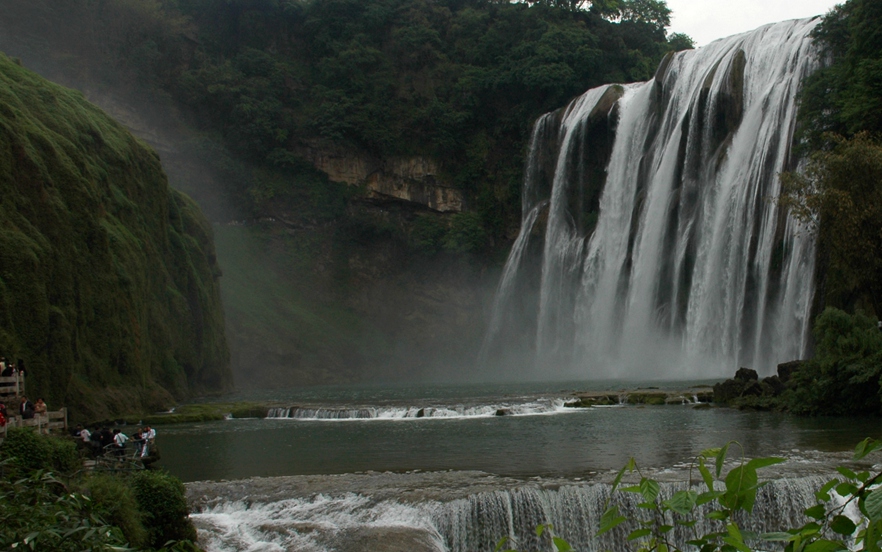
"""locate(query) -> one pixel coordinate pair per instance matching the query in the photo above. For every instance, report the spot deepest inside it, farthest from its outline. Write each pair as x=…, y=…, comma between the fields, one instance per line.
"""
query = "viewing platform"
x=11, y=390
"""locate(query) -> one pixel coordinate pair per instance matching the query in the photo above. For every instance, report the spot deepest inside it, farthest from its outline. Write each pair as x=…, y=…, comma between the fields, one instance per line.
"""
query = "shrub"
x=466, y=234
x=116, y=501
x=163, y=506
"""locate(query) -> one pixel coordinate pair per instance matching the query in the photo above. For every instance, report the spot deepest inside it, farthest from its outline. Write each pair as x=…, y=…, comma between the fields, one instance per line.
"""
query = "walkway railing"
x=12, y=386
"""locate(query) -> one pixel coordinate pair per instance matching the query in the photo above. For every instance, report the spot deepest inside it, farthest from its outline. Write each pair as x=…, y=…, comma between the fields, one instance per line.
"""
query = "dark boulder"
x=727, y=391
x=752, y=389
x=775, y=385
x=786, y=370
x=746, y=375
x=503, y=412
x=420, y=413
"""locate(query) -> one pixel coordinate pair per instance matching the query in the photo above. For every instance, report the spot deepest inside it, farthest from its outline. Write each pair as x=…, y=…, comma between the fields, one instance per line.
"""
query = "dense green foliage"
x=845, y=96
x=108, y=281
x=75, y=510
x=844, y=375
x=840, y=197
x=457, y=80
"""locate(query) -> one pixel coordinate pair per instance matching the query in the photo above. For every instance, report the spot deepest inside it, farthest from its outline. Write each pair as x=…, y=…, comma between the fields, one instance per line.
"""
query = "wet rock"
x=503, y=412
x=786, y=369
x=752, y=389
x=746, y=375
x=727, y=391
x=421, y=413
x=775, y=385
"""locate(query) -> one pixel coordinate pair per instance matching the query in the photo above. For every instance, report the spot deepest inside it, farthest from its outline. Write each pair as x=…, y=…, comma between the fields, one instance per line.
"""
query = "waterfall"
x=474, y=523
x=651, y=244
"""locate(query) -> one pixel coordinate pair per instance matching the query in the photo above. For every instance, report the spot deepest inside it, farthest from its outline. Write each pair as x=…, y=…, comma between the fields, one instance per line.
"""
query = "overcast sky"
x=708, y=20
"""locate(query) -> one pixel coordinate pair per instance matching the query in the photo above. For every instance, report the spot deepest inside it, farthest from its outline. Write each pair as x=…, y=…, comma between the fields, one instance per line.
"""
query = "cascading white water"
x=474, y=523
x=664, y=252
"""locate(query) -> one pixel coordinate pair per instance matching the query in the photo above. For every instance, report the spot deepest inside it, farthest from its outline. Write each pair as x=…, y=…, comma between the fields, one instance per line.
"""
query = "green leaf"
x=823, y=545
x=846, y=472
x=610, y=519
x=705, y=474
x=540, y=529
x=872, y=505
x=500, y=544
x=639, y=533
x=682, y=502
x=809, y=529
x=631, y=489
x=561, y=545
x=818, y=511
x=846, y=489
x=823, y=493
x=665, y=529
x=649, y=489
x=718, y=515
x=704, y=498
x=842, y=525
x=721, y=457
x=865, y=447
x=741, y=485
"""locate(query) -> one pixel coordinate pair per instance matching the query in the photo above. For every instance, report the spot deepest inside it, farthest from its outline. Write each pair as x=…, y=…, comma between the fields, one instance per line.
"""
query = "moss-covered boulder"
x=108, y=281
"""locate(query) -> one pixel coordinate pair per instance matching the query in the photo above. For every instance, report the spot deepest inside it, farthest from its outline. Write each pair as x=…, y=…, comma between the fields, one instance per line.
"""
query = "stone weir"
x=701, y=395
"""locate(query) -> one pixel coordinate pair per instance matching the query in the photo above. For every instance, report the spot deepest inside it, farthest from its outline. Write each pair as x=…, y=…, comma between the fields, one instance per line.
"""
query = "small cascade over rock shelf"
x=378, y=520
x=651, y=243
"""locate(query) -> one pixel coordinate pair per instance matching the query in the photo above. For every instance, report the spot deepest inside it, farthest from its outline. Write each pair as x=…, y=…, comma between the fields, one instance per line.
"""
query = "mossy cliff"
x=108, y=280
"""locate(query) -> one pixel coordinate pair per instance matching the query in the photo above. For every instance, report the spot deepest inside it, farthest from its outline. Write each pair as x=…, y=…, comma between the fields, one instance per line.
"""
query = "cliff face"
x=409, y=179
x=108, y=279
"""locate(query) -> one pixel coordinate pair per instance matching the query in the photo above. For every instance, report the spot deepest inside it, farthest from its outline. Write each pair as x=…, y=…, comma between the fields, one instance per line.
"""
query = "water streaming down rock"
x=476, y=522
x=650, y=228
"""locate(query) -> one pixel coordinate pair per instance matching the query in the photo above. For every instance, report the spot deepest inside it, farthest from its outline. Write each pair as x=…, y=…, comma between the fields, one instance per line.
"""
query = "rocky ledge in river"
x=653, y=396
x=747, y=391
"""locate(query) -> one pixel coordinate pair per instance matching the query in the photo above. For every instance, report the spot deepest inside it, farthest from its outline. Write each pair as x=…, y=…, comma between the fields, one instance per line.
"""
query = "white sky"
x=708, y=20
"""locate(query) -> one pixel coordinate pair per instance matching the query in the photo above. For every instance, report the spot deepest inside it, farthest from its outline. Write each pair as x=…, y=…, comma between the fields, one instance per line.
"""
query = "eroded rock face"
x=410, y=179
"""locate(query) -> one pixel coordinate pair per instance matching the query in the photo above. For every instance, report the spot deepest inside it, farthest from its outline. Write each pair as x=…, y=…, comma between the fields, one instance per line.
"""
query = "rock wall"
x=409, y=179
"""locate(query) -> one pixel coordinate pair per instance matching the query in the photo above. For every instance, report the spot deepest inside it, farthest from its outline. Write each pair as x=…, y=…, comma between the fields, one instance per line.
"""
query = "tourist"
x=26, y=408
x=8, y=369
x=3, y=410
x=40, y=407
x=105, y=438
x=139, y=441
x=119, y=441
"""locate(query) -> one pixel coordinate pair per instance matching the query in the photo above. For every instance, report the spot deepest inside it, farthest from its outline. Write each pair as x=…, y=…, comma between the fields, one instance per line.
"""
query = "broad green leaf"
x=846, y=489
x=721, y=457
x=759, y=463
x=500, y=544
x=865, y=447
x=687, y=523
x=736, y=544
x=540, y=529
x=719, y=515
x=842, y=525
x=704, y=498
x=639, y=533
x=665, y=529
x=610, y=519
x=863, y=476
x=809, y=529
x=741, y=485
x=682, y=502
x=823, y=493
x=631, y=489
x=818, y=511
x=872, y=505
x=846, y=472
x=649, y=489
x=561, y=545
x=705, y=474
x=823, y=545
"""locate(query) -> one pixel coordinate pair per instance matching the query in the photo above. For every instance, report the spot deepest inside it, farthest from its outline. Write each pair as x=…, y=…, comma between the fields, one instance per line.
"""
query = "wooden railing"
x=13, y=386
x=42, y=422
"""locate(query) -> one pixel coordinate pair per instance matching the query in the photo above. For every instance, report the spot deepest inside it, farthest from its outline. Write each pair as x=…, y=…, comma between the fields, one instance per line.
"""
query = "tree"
x=839, y=198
